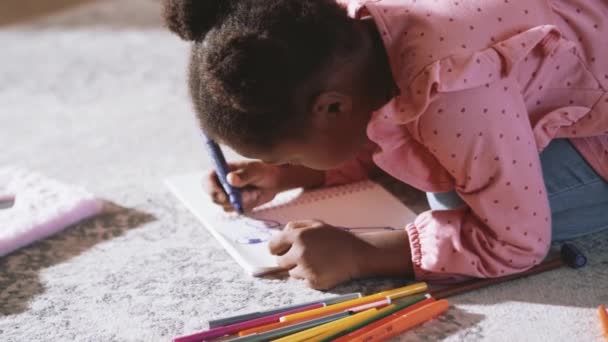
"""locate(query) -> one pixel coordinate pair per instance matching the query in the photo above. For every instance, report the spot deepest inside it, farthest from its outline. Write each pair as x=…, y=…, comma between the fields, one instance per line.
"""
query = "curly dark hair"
x=250, y=57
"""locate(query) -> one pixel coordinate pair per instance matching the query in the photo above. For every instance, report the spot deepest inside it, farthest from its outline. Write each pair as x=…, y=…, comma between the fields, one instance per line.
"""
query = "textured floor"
x=95, y=95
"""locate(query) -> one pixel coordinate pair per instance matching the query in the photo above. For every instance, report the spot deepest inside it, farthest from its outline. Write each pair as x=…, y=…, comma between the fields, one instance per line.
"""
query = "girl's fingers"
x=218, y=197
x=213, y=181
x=245, y=175
x=280, y=243
x=297, y=273
x=262, y=198
x=303, y=224
x=288, y=260
x=250, y=174
x=235, y=179
x=215, y=190
x=251, y=198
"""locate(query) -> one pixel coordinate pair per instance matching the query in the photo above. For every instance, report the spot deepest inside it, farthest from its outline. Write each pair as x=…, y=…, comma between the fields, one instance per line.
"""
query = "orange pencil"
x=385, y=320
x=604, y=319
x=264, y=328
x=272, y=326
x=404, y=322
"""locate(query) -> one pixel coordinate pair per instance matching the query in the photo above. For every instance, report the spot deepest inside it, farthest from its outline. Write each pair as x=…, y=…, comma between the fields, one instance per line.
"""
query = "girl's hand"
x=260, y=182
x=325, y=256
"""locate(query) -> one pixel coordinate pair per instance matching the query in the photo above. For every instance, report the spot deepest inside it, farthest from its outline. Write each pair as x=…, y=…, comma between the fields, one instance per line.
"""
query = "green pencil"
x=291, y=329
x=379, y=316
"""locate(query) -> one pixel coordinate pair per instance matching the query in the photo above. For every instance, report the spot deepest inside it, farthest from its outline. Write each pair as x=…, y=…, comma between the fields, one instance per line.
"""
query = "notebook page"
x=362, y=206
x=245, y=239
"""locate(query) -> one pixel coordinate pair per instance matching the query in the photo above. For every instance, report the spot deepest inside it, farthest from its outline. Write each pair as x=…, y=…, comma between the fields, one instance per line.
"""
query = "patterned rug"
x=94, y=95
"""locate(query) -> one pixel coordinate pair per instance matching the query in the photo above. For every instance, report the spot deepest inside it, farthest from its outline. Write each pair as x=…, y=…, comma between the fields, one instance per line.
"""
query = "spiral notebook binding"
x=312, y=196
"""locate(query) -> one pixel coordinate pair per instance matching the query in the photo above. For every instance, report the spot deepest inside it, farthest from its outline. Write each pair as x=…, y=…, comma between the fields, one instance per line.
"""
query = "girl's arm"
x=387, y=254
x=505, y=226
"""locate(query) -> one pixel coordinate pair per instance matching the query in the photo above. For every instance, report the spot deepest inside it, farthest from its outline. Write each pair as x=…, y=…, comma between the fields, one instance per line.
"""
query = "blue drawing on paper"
x=256, y=231
x=253, y=231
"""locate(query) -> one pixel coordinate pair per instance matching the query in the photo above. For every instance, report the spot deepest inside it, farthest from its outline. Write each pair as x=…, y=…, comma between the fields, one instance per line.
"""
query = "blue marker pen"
x=221, y=168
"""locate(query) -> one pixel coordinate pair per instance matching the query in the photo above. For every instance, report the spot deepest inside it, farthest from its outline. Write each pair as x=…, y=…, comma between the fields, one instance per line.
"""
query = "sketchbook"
x=361, y=207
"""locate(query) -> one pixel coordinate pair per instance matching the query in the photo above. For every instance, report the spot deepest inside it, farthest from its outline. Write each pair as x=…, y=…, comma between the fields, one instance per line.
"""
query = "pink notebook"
x=33, y=207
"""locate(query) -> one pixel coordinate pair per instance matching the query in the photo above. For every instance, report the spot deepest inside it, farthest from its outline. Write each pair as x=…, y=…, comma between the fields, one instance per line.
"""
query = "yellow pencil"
x=337, y=329
x=393, y=294
x=306, y=335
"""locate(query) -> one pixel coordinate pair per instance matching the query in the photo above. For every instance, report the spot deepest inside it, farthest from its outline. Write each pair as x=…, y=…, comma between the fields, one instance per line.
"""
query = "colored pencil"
x=340, y=327
x=267, y=327
x=396, y=293
x=234, y=328
x=336, y=329
x=253, y=315
x=310, y=333
x=380, y=315
x=403, y=323
x=291, y=329
x=569, y=256
x=278, y=325
x=352, y=335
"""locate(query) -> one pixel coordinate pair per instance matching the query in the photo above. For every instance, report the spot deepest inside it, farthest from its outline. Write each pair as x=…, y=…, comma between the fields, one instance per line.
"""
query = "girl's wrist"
x=387, y=254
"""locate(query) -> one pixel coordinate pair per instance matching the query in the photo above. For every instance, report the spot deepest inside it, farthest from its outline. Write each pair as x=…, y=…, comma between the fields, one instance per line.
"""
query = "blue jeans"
x=578, y=196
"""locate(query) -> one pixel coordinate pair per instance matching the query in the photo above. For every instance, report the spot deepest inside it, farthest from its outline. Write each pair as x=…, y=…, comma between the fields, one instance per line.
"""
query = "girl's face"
x=327, y=143
x=316, y=151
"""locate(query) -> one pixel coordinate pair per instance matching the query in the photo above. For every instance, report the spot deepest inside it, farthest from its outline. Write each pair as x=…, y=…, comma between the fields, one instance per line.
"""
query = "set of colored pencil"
x=350, y=317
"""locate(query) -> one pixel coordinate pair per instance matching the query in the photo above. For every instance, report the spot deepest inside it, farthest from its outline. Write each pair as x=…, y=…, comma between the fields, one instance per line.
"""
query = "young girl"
x=457, y=98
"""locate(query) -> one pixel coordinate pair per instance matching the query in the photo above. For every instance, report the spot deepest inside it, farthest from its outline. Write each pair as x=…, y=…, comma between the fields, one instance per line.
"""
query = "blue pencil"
x=221, y=168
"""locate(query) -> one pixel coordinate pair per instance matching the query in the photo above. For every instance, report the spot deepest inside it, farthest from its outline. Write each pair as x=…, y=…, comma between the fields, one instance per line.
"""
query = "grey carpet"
x=95, y=95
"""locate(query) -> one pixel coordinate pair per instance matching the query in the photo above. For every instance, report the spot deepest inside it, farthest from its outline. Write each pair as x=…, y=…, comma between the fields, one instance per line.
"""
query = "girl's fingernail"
x=251, y=196
x=221, y=197
x=254, y=195
x=245, y=196
x=233, y=178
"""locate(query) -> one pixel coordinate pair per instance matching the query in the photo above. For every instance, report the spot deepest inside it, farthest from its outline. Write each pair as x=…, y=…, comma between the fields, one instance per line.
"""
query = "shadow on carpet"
x=19, y=271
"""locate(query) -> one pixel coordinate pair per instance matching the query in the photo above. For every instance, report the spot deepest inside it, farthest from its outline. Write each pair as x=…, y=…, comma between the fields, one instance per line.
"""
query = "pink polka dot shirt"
x=485, y=85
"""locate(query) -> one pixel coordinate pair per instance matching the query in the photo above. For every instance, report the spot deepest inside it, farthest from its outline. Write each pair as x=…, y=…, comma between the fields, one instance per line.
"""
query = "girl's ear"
x=330, y=107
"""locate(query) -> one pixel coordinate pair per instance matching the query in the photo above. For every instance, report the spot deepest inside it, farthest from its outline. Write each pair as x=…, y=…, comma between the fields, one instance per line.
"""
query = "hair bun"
x=248, y=70
x=192, y=19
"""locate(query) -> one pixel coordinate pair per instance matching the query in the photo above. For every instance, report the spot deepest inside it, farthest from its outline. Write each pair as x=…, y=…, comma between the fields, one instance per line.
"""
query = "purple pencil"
x=234, y=328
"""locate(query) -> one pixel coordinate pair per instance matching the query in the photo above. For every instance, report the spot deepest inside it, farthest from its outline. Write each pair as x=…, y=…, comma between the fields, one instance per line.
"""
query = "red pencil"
x=385, y=320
